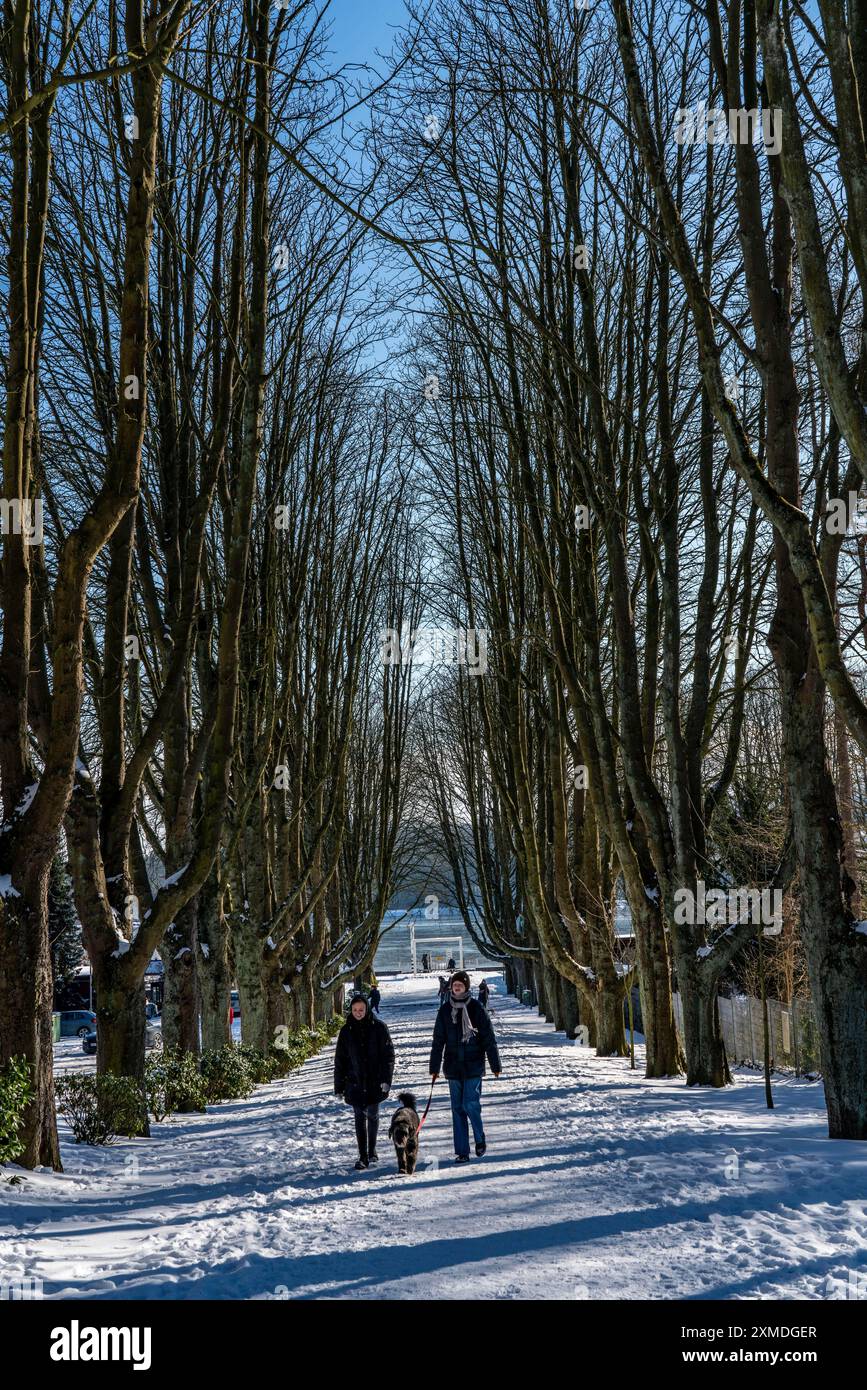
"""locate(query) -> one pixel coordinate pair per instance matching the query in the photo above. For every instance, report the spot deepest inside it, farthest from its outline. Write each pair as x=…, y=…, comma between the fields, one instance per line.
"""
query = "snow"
x=173, y=878
x=122, y=947
x=704, y=951
x=205, y=949
x=651, y=893
x=597, y=1184
x=82, y=770
x=7, y=890
x=861, y=927
x=27, y=799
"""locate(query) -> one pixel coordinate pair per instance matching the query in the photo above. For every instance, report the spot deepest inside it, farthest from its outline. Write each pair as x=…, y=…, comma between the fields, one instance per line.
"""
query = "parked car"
x=236, y=1003
x=153, y=1039
x=76, y=1023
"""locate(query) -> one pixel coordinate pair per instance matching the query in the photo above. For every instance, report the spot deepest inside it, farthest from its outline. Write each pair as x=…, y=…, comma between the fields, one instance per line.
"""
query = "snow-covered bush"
x=296, y=1048
x=226, y=1073
x=101, y=1108
x=16, y=1093
x=262, y=1067
x=173, y=1082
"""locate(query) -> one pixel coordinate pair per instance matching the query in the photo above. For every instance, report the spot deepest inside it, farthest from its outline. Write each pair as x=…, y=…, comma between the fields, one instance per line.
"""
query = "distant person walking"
x=464, y=1034
x=444, y=989
x=363, y=1068
x=375, y=999
x=484, y=994
x=451, y=965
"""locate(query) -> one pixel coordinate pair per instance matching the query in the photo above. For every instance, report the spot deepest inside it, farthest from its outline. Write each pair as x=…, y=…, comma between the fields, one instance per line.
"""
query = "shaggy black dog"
x=404, y=1131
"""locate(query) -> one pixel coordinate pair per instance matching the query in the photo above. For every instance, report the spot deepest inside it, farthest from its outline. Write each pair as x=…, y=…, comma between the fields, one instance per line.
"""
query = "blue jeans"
x=466, y=1098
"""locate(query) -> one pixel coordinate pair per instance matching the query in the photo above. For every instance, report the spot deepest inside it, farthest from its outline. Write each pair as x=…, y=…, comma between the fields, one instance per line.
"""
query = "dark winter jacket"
x=375, y=998
x=462, y=1059
x=363, y=1060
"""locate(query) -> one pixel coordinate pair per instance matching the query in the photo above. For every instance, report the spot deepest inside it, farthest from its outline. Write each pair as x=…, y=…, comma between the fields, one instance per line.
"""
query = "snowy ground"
x=597, y=1184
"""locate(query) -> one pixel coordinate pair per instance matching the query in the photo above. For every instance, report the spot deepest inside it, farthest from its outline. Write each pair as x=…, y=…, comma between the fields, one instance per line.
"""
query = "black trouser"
x=366, y=1128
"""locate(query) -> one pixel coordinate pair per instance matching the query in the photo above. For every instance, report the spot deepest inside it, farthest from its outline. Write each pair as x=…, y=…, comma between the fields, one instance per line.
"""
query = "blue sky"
x=360, y=27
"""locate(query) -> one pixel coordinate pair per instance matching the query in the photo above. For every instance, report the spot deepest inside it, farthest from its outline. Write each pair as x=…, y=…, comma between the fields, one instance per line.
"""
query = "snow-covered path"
x=597, y=1184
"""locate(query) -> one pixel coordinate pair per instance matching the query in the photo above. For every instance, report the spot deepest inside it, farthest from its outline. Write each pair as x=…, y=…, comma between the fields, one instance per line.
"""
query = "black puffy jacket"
x=363, y=1060
x=463, y=1059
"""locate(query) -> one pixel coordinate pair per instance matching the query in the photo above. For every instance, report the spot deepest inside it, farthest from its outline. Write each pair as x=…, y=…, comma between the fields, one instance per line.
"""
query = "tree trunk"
x=120, y=1020
x=278, y=1004
x=214, y=979
x=26, y=1006
x=304, y=996
x=610, y=1027
x=181, y=1003
x=836, y=953
x=706, y=1062
x=247, y=950
x=569, y=1004
x=663, y=1052
x=541, y=972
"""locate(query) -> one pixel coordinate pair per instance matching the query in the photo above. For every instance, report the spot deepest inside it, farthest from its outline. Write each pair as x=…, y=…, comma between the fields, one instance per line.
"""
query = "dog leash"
x=429, y=1099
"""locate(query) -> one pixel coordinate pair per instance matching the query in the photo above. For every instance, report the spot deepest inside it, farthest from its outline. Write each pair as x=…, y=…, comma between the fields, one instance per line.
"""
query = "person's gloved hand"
x=385, y=1088
x=434, y=1074
x=498, y=1074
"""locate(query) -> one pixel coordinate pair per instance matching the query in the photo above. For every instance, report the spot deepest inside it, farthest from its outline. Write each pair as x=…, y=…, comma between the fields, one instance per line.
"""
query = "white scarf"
x=467, y=1029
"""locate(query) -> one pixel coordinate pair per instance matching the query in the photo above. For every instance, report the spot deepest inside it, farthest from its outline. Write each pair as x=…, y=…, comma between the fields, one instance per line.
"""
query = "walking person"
x=375, y=1000
x=484, y=994
x=464, y=1033
x=444, y=989
x=363, y=1069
